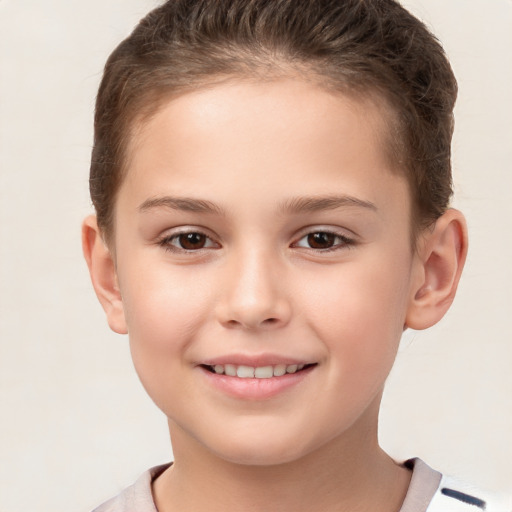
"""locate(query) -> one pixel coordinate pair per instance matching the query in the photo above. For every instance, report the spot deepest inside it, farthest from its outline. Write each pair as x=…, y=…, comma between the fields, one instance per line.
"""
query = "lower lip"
x=255, y=389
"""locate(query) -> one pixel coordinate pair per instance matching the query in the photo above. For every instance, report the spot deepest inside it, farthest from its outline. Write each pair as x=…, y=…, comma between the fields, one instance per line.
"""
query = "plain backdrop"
x=75, y=424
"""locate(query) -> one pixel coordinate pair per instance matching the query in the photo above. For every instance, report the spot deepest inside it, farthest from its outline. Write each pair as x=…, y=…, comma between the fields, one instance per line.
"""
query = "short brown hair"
x=361, y=46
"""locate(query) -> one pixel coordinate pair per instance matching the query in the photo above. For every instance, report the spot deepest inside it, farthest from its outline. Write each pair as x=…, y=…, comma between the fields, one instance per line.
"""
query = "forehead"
x=274, y=137
x=286, y=99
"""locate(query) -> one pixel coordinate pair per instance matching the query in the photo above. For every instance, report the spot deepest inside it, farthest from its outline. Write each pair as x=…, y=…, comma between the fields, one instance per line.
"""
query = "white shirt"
x=429, y=491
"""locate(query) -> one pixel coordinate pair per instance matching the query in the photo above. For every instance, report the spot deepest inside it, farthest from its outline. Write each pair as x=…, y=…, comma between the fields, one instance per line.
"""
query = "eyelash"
x=343, y=241
x=166, y=242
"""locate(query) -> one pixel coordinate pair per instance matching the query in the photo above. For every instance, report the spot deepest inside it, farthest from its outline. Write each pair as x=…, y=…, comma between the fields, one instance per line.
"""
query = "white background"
x=75, y=425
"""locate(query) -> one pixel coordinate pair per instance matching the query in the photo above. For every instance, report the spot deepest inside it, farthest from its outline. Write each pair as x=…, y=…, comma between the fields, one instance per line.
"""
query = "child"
x=272, y=182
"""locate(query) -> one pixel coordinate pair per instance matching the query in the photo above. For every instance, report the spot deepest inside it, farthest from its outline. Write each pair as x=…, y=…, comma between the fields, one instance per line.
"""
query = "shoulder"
x=431, y=491
x=135, y=497
x=454, y=495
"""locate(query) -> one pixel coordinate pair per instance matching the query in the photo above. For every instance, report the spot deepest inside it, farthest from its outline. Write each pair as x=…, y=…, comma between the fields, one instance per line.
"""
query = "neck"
x=348, y=473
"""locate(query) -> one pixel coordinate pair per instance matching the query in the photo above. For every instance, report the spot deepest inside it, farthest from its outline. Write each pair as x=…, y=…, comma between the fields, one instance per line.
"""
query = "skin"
x=252, y=286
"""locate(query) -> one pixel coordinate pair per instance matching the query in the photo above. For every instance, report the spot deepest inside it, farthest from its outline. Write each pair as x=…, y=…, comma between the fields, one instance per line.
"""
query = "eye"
x=324, y=241
x=187, y=241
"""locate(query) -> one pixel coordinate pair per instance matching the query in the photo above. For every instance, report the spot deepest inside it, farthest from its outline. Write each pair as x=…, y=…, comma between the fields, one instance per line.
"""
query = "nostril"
x=268, y=322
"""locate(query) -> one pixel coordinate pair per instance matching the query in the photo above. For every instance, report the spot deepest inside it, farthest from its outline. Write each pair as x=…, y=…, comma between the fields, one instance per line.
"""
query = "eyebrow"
x=319, y=203
x=303, y=204
x=186, y=204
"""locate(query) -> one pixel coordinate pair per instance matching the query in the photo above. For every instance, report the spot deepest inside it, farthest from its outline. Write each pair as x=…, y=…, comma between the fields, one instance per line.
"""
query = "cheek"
x=163, y=311
x=162, y=300
x=164, y=308
x=359, y=313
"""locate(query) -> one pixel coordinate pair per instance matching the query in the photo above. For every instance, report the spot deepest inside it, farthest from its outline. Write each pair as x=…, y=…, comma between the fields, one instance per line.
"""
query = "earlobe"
x=103, y=274
x=440, y=260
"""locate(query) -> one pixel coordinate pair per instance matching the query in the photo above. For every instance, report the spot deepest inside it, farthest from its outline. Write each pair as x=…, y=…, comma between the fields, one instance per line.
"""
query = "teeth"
x=279, y=370
x=264, y=372
x=260, y=372
x=230, y=369
x=245, y=372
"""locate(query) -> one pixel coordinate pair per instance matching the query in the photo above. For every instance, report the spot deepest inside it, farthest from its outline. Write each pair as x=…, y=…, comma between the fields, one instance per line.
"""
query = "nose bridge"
x=254, y=296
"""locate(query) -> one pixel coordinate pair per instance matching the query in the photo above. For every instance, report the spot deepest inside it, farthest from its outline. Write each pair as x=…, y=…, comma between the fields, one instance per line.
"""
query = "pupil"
x=192, y=241
x=321, y=240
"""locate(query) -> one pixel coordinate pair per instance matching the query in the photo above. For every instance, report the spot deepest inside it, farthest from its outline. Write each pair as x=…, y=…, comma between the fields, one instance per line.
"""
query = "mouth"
x=256, y=372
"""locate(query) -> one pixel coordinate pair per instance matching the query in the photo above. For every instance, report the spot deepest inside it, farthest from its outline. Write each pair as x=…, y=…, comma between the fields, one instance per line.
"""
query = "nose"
x=254, y=295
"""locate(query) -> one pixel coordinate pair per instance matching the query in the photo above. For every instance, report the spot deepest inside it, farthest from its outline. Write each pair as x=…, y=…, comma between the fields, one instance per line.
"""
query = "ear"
x=440, y=257
x=103, y=274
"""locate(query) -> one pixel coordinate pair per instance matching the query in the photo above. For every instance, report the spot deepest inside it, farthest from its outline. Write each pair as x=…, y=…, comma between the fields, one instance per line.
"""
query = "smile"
x=259, y=372
x=260, y=381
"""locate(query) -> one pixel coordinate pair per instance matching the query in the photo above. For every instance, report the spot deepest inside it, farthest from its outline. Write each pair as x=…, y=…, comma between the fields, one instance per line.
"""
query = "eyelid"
x=348, y=240
x=165, y=239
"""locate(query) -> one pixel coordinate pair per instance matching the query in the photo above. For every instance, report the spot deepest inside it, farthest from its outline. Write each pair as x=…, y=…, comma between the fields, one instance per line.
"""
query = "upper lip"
x=254, y=360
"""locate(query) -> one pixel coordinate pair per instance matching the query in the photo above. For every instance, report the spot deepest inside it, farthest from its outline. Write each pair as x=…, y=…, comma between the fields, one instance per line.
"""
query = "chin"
x=261, y=450
x=257, y=457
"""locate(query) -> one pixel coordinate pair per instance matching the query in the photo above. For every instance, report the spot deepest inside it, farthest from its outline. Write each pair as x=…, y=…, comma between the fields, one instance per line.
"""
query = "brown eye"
x=321, y=240
x=191, y=241
x=324, y=241
x=188, y=242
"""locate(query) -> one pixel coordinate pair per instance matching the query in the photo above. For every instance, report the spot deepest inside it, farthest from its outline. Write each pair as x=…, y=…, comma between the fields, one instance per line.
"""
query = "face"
x=264, y=263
